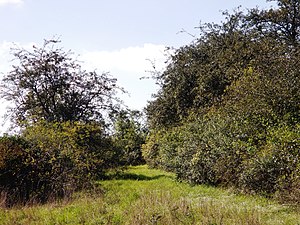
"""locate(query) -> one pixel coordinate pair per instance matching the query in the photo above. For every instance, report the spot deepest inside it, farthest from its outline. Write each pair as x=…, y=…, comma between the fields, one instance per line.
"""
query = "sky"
x=121, y=37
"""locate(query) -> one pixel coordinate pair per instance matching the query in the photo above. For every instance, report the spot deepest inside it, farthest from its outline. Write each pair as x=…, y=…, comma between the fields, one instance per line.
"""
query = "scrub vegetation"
x=224, y=127
x=228, y=109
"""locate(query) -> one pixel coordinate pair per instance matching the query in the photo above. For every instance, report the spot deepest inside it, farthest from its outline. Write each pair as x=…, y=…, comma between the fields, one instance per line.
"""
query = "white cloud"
x=5, y=56
x=11, y=2
x=4, y=67
x=134, y=60
x=128, y=65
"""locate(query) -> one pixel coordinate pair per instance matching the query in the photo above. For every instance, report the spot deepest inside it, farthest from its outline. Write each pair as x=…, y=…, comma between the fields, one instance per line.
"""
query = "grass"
x=147, y=196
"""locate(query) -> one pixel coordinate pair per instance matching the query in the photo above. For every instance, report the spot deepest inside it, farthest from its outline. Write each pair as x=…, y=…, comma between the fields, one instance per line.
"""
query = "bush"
x=208, y=155
x=288, y=191
x=225, y=151
x=129, y=136
x=52, y=160
x=201, y=151
x=18, y=172
x=275, y=169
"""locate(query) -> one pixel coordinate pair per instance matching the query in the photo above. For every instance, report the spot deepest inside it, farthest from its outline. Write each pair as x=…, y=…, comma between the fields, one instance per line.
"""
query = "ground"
x=141, y=195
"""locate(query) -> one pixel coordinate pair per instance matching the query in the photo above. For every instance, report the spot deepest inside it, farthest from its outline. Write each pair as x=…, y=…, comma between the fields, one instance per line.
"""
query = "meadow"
x=140, y=195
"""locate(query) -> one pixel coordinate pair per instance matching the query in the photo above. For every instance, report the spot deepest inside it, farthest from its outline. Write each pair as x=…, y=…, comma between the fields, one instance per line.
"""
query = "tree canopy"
x=262, y=43
x=48, y=84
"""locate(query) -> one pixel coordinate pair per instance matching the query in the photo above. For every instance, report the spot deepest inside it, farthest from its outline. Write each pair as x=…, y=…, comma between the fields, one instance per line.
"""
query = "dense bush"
x=209, y=151
x=12, y=152
x=150, y=150
x=276, y=167
x=200, y=152
x=227, y=111
x=52, y=160
x=19, y=173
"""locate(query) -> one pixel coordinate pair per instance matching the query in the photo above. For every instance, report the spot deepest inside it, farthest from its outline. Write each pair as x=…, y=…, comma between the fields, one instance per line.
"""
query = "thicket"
x=228, y=109
x=52, y=160
x=65, y=116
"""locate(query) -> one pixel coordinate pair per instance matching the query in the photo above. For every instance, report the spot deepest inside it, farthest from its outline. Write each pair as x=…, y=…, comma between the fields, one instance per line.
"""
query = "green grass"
x=144, y=196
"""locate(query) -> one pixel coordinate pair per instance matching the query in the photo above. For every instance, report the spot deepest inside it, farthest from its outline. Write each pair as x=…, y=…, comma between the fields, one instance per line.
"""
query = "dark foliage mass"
x=228, y=109
x=52, y=160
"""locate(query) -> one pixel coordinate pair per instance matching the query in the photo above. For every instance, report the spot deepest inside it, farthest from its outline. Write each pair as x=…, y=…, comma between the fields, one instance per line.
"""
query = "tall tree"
x=47, y=84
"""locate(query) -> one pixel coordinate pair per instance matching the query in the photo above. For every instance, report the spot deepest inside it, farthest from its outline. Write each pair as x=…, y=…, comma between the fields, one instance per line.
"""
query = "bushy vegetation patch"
x=227, y=112
x=71, y=127
x=52, y=160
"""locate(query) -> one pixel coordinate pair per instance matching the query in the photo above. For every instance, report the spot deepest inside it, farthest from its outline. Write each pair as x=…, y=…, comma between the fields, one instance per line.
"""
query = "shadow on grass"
x=134, y=176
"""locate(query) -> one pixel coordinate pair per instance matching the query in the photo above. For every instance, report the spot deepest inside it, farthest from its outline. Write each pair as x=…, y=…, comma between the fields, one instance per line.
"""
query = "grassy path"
x=144, y=196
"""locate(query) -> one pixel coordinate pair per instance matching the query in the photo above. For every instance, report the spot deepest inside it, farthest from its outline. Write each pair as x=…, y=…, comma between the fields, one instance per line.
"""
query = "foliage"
x=150, y=150
x=227, y=112
x=17, y=175
x=62, y=110
x=52, y=160
x=129, y=135
x=275, y=168
x=198, y=74
x=201, y=152
x=282, y=24
x=49, y=85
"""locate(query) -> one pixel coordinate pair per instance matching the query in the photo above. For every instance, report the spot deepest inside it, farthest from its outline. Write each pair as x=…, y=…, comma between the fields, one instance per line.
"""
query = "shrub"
x=276, y=167
x=17, y=169
x=202, y=151
x=52, y=160
x=224, y=151
x=207, y=154
x=129, y=136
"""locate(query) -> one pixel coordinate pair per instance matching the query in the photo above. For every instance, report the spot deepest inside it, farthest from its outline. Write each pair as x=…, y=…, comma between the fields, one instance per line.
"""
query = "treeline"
x=72, y=127
x=228, y=109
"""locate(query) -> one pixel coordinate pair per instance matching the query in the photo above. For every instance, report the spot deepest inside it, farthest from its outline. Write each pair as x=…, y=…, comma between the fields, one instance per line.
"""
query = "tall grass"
x=144, y=196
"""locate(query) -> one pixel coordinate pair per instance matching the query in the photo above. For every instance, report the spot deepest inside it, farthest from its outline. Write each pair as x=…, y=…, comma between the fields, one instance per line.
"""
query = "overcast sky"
x=116, y=36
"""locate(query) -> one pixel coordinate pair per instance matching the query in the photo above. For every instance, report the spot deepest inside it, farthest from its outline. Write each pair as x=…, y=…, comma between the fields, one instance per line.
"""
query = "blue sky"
x=116, y=36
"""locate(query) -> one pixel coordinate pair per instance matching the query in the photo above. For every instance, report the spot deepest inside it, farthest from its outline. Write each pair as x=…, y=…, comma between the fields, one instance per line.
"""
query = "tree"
x=198, y=74
x=47, y=84
x=203, y=74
